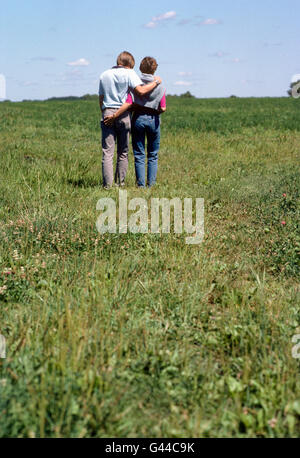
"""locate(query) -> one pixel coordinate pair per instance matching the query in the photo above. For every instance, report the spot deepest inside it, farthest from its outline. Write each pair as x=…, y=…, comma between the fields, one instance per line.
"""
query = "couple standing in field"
x=122, y=91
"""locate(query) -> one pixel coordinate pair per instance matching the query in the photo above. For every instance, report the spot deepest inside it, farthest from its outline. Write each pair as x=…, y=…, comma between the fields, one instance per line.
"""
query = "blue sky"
x=213, y=49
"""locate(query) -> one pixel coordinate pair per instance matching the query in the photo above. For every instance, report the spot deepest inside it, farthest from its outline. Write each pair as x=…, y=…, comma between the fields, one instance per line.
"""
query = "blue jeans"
x=145, y=126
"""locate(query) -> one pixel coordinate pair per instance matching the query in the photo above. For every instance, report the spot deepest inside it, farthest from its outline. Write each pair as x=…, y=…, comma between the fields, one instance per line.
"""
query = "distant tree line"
x=95, y=97
x=186, y=95
x=74, y=97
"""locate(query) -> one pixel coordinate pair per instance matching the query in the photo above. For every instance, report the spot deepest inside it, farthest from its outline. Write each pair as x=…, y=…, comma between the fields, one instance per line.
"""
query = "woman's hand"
x=109, y=120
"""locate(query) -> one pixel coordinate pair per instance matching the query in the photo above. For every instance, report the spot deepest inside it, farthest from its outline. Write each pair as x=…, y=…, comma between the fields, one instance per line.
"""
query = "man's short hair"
x=126, y=59
x=148, y=65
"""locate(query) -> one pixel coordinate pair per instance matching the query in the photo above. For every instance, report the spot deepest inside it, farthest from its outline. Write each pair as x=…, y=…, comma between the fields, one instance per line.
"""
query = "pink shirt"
x=162, y=103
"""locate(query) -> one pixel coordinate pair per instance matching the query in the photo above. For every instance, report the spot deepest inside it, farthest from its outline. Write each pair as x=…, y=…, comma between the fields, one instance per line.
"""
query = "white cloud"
x=219, y=54
x=151, y=25
x=210, y=21
x=162, y=17
x=184, y=73
x=182, y=83
x=82, y=62
x=295, y=78
x=157, y=19
x=235, y=60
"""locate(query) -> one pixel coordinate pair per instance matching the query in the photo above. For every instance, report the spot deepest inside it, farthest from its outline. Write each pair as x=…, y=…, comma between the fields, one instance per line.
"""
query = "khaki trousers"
x=117, y=133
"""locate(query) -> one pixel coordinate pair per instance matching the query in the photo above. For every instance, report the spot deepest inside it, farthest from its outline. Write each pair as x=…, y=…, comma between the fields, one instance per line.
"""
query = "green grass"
x=142, y=335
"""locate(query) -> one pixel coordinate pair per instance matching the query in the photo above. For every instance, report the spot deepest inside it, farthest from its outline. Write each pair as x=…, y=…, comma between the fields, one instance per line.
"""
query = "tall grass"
x=142, y=335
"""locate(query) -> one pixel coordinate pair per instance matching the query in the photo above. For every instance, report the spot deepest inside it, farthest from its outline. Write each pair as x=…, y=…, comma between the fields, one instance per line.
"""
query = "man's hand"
x=142, y=90
x=109, y=120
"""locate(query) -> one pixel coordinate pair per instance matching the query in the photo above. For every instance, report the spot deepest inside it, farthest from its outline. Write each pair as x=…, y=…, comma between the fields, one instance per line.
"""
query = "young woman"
x=145, y=123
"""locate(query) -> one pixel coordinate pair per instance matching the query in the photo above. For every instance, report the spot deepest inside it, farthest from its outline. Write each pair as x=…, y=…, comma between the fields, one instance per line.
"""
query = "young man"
x=145, y=124
x=114, y=86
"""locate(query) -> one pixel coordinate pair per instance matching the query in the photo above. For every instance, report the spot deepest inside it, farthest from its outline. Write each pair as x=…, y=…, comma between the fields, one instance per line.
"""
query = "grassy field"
x=142, y=335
